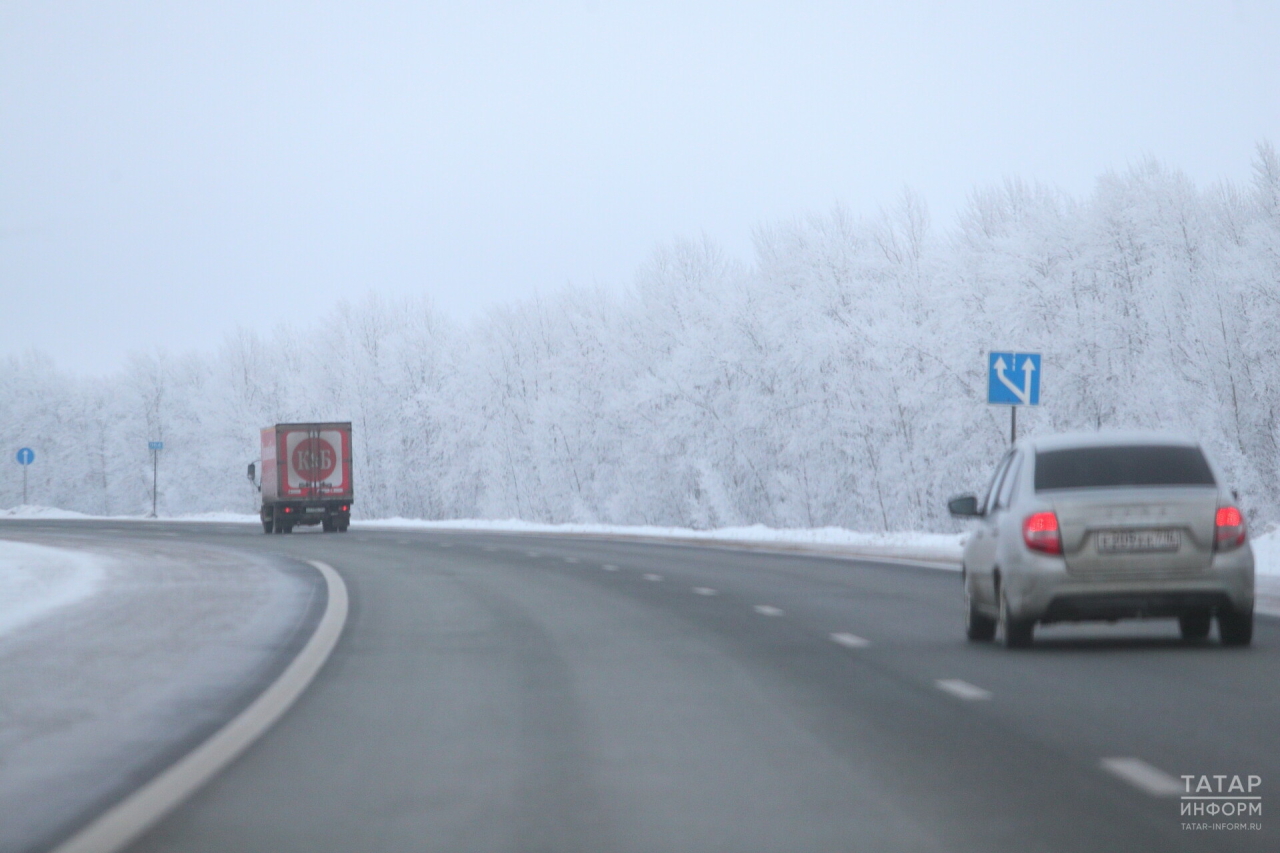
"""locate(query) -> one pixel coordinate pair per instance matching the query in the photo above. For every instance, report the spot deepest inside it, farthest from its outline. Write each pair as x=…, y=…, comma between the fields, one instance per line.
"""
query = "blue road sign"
x=1013, y=378
x=155, y=445
x=26, y=456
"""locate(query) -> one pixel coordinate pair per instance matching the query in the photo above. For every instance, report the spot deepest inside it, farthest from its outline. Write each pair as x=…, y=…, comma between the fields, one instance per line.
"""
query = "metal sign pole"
x=155, y=447
x=1013, y=425
x=24, y=485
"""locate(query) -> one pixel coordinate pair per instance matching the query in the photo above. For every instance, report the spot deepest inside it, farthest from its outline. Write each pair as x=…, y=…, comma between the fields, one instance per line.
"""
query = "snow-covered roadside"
x=943, y=549
x=1266, y=553
x=32, y=511
x=36, y=580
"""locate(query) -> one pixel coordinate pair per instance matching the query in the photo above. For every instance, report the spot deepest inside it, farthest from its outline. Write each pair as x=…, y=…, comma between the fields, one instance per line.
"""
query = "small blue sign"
x=1013, y=378
x=155, y=445
x=26, y=456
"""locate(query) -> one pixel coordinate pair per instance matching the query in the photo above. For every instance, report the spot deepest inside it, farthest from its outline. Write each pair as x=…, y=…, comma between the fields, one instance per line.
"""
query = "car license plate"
x=315, y=509
x=1138, y=541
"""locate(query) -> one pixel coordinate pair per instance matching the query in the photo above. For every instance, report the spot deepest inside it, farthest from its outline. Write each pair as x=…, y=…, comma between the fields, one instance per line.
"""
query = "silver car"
x=1106, y=526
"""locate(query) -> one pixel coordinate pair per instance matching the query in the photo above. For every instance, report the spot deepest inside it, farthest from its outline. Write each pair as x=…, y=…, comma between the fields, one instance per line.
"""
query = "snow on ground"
x=1266, y=553
x=34, y=511
x=36, y=580
x=935, y=547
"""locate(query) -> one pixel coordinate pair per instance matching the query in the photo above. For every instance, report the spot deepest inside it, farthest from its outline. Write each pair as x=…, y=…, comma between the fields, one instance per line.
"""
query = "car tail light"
x=1228, y=528
x=1040, y=533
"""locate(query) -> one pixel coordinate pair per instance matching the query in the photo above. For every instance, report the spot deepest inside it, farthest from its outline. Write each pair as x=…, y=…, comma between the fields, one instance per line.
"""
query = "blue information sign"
x=1013, y=378
x=26, y=456
x=155, y=445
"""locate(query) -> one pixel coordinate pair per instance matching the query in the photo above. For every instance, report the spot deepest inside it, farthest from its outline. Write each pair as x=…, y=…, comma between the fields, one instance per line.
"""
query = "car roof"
x=1109, y=438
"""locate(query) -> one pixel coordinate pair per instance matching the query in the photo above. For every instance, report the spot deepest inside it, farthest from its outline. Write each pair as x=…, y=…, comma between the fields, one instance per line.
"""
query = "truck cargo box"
x=306, y=475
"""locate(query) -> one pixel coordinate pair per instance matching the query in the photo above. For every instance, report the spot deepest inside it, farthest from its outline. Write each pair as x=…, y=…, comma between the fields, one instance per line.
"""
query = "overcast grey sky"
x=171, y=170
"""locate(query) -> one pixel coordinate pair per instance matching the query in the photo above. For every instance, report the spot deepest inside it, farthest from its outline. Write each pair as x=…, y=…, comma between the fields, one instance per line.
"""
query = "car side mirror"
x=964, y=506
x=253, y=470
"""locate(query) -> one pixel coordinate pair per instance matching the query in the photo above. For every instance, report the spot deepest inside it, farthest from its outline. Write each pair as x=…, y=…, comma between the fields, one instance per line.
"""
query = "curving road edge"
x=128, y=819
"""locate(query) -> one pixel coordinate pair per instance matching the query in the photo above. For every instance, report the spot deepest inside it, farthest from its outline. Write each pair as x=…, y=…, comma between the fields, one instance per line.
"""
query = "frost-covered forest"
x=838, y=377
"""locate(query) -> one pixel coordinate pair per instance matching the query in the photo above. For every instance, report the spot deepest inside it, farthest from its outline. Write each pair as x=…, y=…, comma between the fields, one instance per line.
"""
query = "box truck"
x=306, y=476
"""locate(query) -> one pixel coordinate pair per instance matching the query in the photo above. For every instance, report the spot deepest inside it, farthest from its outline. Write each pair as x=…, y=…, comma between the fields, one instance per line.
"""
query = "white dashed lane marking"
x=490, y=548
x=571, y=559
x=652, y=577
x=850, y=641
x=704, y=590
x=609, y=567
x=532, y=554
x=963, y=689
x=768, y=610
x=1143, y=776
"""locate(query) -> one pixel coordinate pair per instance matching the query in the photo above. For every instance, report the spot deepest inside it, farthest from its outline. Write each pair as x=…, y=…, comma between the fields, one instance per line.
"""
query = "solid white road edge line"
x=850, y=641
x=1143, y=776
x=142, y=809
x=768, y=610
x=962, y=689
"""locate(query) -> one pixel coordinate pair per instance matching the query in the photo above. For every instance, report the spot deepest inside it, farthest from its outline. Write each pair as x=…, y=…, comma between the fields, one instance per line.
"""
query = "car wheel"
x=978, y=626
x=1235, y=627
x=1195, y=625
x=1017, y=632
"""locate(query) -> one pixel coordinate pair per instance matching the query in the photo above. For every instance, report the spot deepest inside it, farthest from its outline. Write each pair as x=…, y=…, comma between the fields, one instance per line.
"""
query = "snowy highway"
x=500, y=692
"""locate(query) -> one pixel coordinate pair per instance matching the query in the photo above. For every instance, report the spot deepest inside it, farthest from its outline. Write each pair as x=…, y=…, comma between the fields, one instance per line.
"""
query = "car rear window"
x=1131, y=465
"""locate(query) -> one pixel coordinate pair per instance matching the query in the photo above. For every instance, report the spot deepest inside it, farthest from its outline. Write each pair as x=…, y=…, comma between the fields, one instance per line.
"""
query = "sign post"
x=1013, y=380
x=25, y=457
x=155, y=447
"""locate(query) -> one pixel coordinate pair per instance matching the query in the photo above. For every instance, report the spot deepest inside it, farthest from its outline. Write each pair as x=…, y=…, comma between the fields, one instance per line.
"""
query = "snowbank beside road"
x=36, y=580
x=932, y=547
x=36, y=511
x=1266, y=553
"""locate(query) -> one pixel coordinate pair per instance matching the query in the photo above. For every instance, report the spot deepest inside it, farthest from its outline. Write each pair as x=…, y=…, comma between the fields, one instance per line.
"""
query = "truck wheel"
x=266, y=525
x=1235, y=627
x=328, y=525
x=277, y=526
x=1195, y=626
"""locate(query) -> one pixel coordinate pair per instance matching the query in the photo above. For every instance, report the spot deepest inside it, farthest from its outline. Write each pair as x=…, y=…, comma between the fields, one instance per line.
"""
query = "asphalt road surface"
x=528, y=693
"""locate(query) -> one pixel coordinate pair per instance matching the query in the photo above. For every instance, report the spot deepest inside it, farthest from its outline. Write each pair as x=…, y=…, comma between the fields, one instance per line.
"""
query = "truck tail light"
x=1228, y=529
x=345, y=507
x=1040, y=533
x=288, y=509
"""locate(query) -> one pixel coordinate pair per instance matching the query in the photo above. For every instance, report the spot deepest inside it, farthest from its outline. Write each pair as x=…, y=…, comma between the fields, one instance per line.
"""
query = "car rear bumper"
x=1074, y=607
x=1047, y=592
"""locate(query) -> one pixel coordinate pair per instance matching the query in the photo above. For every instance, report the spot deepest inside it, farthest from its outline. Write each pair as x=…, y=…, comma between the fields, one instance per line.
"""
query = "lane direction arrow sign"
x=26, y=456
x=1013, y=378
